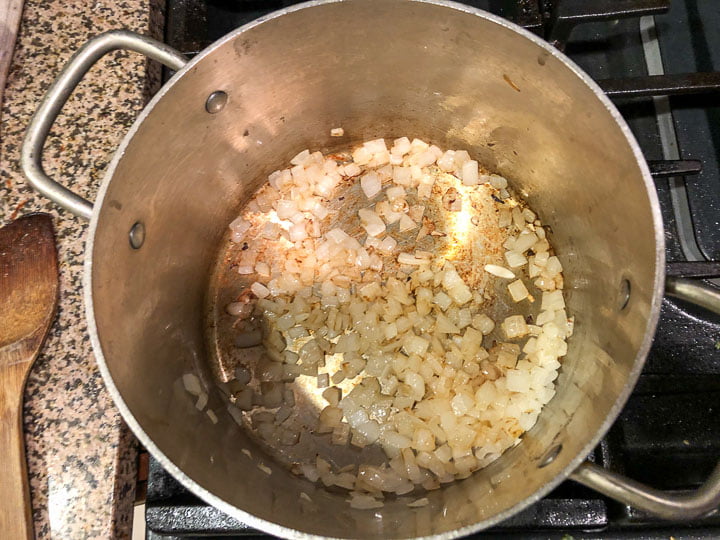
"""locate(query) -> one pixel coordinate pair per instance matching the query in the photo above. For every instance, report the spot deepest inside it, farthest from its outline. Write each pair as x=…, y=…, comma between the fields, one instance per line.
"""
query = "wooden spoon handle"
x=15, y=513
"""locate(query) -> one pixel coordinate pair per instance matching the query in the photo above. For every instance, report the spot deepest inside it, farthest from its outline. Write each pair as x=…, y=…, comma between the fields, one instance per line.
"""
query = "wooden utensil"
x=28, y=299
x=10, y=12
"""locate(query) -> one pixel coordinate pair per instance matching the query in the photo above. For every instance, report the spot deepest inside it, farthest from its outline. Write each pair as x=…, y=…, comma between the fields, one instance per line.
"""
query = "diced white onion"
x=370, y=184
x=403, y=327
x=518, y=291
x=192, y=384
x=470, y=173
x=371, y=222
x=260, y=290
x=406, y=223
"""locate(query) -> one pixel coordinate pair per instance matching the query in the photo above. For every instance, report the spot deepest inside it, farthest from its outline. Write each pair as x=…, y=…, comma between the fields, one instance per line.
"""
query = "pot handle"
x=653, y=501
x=57, y=95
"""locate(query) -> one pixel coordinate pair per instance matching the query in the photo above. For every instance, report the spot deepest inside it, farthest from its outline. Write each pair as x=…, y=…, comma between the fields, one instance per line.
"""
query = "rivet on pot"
x=550, y=456
x=216, y=102
x=624, y=296
x=137, y=235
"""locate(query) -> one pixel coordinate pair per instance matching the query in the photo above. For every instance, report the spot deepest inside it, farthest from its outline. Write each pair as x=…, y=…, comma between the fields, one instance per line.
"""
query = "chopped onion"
x=402, y=175
x=483, y=323
x=406, y=327
x=332, y=395
x=330, y=417
x=407, y=258
x=201, y=401
x=415, y=344
x=470, y=173
x=406, y=224
x=515, y=259
x=395, y=192
x=240, y=226
x=424, y=159
x=401, y=146
x=192, y=384
x=301, y=158
x=260, y=290
x=286, y=209
x=387, y=245
x=362, y=155
x=371, y=222
x=376, y=146
x=364, y=502
x=498, y=182
x=370, y=184
x=340, y=437
x=515, y=326
x=552, y=301
x=352, y=169
x=518, y=291
x=416, y=212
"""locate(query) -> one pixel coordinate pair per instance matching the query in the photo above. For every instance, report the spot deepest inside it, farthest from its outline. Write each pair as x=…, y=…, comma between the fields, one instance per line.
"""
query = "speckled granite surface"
x=81, y=456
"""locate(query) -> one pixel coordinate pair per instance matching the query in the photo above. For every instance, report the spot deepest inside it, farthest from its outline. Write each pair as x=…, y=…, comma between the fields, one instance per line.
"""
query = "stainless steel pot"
x=438, y=70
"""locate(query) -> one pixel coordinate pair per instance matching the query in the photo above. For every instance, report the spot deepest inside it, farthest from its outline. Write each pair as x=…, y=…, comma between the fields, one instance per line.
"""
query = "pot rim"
x=285, y=532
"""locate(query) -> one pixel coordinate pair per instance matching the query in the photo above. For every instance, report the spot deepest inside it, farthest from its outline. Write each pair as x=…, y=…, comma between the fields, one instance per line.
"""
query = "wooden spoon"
x=28, y=299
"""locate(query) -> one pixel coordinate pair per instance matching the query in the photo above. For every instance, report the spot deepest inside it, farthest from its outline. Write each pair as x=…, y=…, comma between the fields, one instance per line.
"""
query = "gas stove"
x=661, y=66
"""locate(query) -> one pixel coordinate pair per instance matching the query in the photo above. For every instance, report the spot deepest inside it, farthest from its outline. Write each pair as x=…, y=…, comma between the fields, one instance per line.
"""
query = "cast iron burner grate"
x=668, y=435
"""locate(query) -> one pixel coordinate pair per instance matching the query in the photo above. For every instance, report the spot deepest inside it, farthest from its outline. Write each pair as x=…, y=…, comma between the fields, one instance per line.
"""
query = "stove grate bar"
x=567, y=14
x=674, y=167
x=662, y=85
x=527, y=14
x=693, y=269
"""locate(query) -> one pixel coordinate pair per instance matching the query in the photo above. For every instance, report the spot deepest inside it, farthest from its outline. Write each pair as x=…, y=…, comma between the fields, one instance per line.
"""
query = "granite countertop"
x=81, y=456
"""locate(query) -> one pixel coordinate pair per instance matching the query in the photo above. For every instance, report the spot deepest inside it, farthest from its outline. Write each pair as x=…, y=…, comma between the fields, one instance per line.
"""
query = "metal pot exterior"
x=378, y=68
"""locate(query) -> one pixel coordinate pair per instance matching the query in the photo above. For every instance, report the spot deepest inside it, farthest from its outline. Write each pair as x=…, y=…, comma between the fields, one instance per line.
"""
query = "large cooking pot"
x=437, y=70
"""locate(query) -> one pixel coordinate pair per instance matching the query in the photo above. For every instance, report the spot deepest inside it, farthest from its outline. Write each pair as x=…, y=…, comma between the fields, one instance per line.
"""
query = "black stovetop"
x=668, y=435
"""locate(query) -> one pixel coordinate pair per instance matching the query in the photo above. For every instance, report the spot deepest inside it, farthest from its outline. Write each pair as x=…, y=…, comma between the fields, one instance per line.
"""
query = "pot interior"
x=377, y=68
